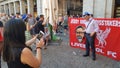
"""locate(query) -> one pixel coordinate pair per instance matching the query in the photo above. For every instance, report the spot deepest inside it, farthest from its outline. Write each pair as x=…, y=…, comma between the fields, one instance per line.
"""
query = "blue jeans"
x=90, y=42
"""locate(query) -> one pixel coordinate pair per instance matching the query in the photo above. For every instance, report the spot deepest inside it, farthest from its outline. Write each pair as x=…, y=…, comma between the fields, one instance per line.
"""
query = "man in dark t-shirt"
x=40, y=25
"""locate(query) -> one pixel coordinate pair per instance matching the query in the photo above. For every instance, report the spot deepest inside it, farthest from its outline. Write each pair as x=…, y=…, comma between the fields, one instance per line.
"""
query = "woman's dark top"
x=17, y=62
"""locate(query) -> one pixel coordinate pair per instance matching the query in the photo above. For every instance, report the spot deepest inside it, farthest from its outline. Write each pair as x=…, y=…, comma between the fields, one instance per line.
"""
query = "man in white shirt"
x=90, y=34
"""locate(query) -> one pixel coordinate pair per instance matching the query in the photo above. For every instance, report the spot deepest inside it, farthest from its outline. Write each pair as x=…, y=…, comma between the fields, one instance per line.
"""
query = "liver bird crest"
x=101, y=36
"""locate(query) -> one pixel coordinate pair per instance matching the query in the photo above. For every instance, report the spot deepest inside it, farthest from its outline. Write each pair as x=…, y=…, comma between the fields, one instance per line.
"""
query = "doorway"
x=74, y=7
x=117, y=9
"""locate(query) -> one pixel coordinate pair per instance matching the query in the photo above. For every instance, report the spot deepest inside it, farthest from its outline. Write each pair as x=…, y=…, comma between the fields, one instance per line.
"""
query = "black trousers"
x=90, y=42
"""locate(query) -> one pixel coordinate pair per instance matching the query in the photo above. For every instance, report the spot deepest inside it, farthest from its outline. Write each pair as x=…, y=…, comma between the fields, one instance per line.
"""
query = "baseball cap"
x=24, y=16
x=86, y=13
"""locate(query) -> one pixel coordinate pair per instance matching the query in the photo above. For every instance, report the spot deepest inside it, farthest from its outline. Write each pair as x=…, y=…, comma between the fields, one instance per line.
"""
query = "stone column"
x=60, y=6
x=16, y=7
x=30, y=6
x=6, y=9
x=109, y=8
x=56, y=10
x=11, y=8
x=88, y=5
x=64, y=7
x=39, y=7
x=2, y=8
x=22, y=7
x=45, y=8
x=100, y=8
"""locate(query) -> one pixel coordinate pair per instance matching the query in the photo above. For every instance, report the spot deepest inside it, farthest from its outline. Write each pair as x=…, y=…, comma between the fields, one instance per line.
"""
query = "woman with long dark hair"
x=15, y=52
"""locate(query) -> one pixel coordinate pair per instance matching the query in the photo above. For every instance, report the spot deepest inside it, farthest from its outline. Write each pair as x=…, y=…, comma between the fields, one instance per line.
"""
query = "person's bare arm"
x=33, y=25
x=29, y=42
x=45, y=21
x=28, y=58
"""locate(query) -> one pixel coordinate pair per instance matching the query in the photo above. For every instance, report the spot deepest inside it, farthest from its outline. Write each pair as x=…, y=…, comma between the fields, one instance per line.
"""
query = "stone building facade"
x=99, y=8
x=20, y=6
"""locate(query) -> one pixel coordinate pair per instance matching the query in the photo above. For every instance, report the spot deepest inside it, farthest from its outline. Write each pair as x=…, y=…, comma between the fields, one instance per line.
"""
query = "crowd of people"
x=19, y=32
x=15, y=34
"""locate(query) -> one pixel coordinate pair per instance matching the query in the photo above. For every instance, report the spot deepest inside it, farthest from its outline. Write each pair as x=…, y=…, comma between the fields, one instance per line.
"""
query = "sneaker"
x=93, y=58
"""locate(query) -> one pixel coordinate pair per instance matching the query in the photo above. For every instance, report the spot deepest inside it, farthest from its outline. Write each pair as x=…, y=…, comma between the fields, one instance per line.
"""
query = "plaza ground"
x=60, y=55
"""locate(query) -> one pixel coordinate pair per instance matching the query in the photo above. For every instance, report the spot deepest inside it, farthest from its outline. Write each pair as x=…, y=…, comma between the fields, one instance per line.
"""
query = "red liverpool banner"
x=107, y=40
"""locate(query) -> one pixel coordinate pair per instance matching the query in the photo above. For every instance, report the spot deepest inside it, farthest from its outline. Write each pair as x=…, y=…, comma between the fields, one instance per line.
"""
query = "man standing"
x=40, y=25
x=90, y=33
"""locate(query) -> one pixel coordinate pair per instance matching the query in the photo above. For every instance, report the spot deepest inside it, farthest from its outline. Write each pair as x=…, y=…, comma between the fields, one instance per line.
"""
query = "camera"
x=40, y=35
